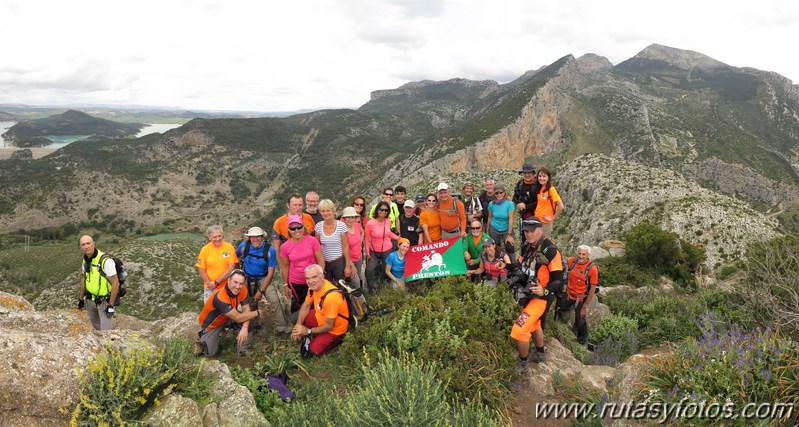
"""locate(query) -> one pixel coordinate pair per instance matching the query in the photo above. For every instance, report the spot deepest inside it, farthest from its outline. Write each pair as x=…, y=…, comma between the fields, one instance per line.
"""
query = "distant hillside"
x=731, y=130
x=7, y=117
x=71, y=122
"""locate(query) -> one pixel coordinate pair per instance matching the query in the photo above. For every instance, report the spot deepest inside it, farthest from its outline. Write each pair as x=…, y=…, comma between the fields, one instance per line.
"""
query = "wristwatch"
x=308, y=332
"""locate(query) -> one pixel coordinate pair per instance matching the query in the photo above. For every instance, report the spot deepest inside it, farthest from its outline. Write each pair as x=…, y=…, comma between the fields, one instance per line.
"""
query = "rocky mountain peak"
x=684, y=59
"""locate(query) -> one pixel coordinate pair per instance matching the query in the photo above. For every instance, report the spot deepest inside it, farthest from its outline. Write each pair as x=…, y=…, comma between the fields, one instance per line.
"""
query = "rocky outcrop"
x=41, y=353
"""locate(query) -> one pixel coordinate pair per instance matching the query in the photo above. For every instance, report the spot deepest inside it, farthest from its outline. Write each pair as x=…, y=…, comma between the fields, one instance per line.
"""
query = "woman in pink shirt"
x=355, y=238
x=300, y=251
x=378, y=244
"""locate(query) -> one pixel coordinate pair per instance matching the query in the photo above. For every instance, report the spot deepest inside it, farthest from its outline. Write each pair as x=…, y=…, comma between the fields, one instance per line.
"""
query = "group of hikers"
x=316, y=250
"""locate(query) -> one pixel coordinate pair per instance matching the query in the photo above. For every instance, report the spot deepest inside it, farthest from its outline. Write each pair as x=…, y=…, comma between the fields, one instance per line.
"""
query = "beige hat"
x=409, y=204
x=442, y=186
x=255, y=231
x=349, y=211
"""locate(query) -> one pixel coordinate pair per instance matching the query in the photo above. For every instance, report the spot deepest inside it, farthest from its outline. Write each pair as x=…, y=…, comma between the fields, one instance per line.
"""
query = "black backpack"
x=122, y=274
x=356, y=302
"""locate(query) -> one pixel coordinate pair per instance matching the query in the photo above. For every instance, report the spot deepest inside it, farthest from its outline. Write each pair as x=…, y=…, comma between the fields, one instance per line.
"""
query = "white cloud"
x=269, y=56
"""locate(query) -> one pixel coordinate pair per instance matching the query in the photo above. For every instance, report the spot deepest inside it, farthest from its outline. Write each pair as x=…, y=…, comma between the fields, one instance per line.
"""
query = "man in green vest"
x=98, y=286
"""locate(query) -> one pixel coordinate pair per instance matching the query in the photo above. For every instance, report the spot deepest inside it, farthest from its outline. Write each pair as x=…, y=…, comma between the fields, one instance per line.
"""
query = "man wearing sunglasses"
x=229, y=307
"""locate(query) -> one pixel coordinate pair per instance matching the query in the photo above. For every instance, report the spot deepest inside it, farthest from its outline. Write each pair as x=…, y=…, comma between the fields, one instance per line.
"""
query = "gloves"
x=109, y=311
x=81, y=303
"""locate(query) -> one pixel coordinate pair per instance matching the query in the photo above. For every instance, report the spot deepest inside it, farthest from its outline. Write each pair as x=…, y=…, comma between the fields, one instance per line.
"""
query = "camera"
x=521, y=287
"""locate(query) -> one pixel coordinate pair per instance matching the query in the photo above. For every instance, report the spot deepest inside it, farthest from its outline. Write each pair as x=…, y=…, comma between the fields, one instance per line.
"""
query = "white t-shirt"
x=331, y=245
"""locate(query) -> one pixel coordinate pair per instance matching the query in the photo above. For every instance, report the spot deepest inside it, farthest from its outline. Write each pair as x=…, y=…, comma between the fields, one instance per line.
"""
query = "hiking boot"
x=198, y=349
x=539, y=357
x=521, y=365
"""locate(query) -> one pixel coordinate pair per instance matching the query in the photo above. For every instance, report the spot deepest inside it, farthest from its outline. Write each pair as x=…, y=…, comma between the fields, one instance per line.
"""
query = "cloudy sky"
x=267, y=55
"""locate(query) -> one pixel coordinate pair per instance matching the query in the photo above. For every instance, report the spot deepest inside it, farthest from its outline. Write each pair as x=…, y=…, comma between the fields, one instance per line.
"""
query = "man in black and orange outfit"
x=227, y=307
x=541, y=261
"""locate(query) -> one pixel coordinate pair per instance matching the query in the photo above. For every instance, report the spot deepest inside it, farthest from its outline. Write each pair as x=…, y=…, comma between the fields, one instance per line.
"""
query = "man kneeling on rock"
x=323, y=317
x=226, y=307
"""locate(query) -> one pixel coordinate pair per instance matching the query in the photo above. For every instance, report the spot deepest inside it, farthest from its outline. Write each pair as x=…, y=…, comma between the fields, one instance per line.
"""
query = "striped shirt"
x=331, y=244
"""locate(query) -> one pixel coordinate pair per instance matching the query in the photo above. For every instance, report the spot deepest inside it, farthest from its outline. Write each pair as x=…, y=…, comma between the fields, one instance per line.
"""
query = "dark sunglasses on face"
x=475, y=228
x=357, y=204
x=295, y=227
x=431, y=200
x=388, y=194
x=383, y=210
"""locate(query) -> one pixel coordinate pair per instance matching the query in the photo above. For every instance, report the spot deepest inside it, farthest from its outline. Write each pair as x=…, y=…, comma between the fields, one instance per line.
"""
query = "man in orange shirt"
x=280, y=229
x=323, y=317
x=228, y=306
x=451, y=212
x=541, y=261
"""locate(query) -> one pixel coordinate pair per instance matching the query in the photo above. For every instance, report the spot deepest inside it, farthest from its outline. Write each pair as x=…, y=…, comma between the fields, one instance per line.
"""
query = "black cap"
x=527, y=168
x=531, y=224
x=420, y=197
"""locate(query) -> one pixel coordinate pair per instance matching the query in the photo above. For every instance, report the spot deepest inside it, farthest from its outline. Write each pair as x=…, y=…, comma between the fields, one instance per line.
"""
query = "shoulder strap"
x=322, y=301
x=246, y=250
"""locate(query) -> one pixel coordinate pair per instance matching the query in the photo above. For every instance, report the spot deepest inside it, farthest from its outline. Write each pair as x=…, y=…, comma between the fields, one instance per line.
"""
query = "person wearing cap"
x=474, y=208
x=451, y=213
x=332, y=235
x=351, y=219
x=299, y=251
x=474, y=247
x=580, y=289
x=486, y=196
x=430, y=221
x=500, y=217
x=393, y=209
x=215, y=261
x=549, y=204
x=395, y=264
x=542, y=262
x=420, y=203
x=493, y=263
x=280, y=229
x=524, y=194
x=258, y=261
x=409, y=226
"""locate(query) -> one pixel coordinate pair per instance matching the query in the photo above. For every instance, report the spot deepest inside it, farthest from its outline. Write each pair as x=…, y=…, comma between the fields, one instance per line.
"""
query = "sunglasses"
x=295, y=227
x=357, y=204
x=431, y=200
x=388, y=194
x=383, y=210
x=475, y=228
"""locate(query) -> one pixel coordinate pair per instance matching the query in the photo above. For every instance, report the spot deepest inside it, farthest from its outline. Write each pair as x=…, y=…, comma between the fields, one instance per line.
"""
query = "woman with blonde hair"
x=332, y=235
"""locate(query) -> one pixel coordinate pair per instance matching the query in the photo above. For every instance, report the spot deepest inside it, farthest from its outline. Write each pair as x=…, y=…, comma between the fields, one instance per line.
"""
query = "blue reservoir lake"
x=63, y=140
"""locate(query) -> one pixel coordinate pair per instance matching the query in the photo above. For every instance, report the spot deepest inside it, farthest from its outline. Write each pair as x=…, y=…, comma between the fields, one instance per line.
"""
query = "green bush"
x=771, y=282
x=563, y=333
x=649, y=246
x=615, y=271
x=118, y=385
x=462, y=326
x=616, y=339
x=187, y=374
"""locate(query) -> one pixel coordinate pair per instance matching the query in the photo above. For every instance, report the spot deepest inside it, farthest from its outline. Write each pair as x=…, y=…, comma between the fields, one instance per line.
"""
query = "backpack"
x=122, y=274
x=585, y=272
x=356, y=302
x=555, y=285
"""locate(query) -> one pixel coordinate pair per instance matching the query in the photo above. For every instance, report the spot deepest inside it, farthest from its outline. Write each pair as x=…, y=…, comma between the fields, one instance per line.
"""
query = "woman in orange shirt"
x=430, y=221
x=550, y=205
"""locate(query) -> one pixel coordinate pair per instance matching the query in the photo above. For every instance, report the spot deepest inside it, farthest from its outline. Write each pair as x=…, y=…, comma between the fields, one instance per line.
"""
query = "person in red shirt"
x=583, y=280
x=323, y=317
x=226, y=307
